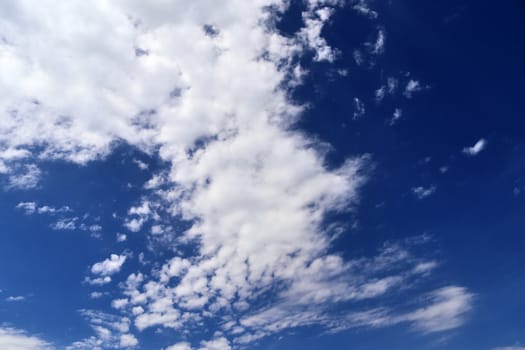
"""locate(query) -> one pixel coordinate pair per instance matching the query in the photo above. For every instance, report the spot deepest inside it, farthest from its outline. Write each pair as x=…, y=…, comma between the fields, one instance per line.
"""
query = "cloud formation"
x=477, y=148
x=15, y=339
x=110, y=266
x=206, y=87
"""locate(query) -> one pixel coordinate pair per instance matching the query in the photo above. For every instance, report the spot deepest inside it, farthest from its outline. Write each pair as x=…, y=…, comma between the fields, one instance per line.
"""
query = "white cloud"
x=254, y=191
x=479, y=146
x=97, y=295
x=317, y=14
x=180, y=346
x=359, y=108
x=412, y=87
x=398, y=114
x=379, y=45
x=111, y=332
x=424, y=192
x=98, y=281
x=121, y=237
x=141, y=164
x=28, y=207
x=15, y=339
x=67, y=224
x=510, y=348
x=216, y=344
x=119, y=303
x=362, y=7
x=128, y=341
x=446, y=310
x=15, y=298
x=110, y=266
x=25, y=178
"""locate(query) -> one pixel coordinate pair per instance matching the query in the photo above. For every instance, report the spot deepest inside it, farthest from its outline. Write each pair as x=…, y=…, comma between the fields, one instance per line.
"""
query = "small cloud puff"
x=423, y=192
x=476, y=149
x=109, y=266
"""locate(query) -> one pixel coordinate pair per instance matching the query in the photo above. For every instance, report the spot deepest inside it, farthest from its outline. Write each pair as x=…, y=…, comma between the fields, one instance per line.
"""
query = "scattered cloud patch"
x=15, y=298
x=110, y=266
x=476, y=149
x=423, y=192
x=359, y=108
x=412, y=87
x=66, y=224
x=97, y=281
x=398, y=114
x=111, y=332
x=28, y=207
x=25, y=178
x=363, y=8
x=121, y=237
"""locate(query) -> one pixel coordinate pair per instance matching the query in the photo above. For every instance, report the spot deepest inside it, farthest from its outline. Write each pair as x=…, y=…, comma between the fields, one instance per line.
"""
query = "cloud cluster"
x=206, y=85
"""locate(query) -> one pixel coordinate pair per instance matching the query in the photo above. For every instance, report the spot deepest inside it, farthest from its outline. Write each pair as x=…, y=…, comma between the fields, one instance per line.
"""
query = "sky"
x=265, y=174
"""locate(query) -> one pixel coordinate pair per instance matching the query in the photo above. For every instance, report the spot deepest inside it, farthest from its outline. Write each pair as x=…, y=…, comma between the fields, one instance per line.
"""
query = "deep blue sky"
x=469, y=58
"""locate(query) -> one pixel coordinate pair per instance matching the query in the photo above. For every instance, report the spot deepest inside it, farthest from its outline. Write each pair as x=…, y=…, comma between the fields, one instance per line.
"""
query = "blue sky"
x=274, y=175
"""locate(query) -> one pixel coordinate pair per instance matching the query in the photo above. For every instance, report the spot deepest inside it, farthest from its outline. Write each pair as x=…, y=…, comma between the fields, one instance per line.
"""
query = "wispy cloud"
x=15, y=298
x=25, y=178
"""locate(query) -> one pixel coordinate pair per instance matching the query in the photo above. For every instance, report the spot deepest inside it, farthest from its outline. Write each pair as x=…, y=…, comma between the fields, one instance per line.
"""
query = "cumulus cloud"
x=15, y=339
x=477, y=148
x=110, y=266
x=205, y=86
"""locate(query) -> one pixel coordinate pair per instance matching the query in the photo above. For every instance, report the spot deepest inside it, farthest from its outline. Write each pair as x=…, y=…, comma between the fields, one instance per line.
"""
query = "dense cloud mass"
x=205, y=85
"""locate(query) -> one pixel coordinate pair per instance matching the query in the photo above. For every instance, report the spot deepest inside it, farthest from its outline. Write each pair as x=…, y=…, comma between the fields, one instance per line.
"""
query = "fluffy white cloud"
x=128, y=341
x=110, y=266
x=206, y=84
x=474, y=150
x=15, y=339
